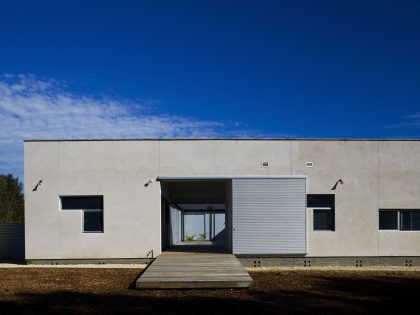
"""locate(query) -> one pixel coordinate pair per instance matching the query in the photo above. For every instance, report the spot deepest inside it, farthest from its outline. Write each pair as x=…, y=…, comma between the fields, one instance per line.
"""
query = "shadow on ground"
x=281, y=292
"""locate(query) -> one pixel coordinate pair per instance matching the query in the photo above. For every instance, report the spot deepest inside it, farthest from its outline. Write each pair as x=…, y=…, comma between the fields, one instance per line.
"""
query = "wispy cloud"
x=415, y=119
x=34, y=108
x=412, y=121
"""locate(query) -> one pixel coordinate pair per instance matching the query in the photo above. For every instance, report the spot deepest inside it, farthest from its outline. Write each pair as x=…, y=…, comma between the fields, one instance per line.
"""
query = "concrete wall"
x=399, y=187
x=118, y=171
x=356, y=201
x=376, y=174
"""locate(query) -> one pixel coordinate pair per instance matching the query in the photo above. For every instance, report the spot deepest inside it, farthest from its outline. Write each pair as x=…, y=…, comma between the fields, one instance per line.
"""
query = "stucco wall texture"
x=377, y=174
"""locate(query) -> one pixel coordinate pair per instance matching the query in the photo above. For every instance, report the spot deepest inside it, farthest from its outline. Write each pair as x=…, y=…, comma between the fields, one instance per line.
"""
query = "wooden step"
x=177, y=270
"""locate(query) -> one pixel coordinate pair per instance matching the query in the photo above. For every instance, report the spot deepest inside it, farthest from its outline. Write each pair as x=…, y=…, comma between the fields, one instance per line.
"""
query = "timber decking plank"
x=174, y=270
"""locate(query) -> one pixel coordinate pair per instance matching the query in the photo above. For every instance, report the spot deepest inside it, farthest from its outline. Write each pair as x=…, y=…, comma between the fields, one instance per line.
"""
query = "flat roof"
x=225, y=177
x=226, y=139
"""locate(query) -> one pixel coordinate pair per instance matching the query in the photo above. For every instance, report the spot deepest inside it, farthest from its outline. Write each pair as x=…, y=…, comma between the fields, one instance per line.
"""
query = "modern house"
x=268, y=201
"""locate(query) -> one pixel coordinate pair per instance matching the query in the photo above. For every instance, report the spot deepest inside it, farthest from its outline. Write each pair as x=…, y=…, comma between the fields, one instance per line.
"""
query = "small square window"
x=93, y=221
x=323, y=220
x=388, y=220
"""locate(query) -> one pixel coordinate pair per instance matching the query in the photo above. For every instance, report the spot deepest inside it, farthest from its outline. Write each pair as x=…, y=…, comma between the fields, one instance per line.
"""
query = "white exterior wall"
x=376, y=174
x=116, y=170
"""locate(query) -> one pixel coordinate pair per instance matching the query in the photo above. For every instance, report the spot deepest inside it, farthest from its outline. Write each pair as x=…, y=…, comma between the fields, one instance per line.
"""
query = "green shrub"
x=189, y=238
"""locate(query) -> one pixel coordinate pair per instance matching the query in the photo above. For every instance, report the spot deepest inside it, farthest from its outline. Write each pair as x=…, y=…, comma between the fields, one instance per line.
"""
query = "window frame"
x=82, y=216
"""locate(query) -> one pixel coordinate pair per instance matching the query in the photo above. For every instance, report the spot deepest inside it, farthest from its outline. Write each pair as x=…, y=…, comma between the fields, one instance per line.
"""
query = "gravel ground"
x=250, y=269
x=136, y=266
x=110, y=291
x=337, y=268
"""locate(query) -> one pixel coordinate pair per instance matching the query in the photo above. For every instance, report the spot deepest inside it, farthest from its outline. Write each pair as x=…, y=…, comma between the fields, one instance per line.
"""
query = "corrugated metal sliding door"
x=269, y=216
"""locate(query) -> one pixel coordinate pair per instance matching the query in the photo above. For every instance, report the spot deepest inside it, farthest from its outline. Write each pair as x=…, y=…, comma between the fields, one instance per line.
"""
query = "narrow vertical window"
x=405, y=219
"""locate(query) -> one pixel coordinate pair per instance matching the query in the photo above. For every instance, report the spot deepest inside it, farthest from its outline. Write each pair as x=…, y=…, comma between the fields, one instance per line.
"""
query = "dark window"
x=388, y=220
x=415, y=220
x=93, y=221
x=92, y=210
x=405, y=218
x=410, y=220
x=81, y=202
x=323, y=220
x=324, y=211
x=320, y=201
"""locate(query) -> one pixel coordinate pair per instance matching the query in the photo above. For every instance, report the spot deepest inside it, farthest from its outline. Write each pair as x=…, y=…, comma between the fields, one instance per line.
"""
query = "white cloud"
x=33, y=108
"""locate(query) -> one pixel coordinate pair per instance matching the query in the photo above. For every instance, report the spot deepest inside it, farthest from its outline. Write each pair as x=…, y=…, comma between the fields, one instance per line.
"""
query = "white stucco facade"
x=377, y=175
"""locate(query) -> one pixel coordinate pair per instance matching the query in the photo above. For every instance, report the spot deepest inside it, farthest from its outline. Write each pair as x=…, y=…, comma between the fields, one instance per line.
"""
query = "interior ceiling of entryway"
x=201, y=206
x=197, y=191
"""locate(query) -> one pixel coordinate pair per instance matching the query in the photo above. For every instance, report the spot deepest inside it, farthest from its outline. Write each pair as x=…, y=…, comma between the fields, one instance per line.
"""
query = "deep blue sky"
x=281, y=68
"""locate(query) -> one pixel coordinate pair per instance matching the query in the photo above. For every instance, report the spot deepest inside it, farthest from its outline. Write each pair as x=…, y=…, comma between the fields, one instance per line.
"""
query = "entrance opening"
x=195, y=215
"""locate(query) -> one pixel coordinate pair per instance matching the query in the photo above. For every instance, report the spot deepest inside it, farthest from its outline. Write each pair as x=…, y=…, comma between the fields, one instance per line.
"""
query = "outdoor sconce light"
x=148, y=182
x=335, y=186
x=37, y=185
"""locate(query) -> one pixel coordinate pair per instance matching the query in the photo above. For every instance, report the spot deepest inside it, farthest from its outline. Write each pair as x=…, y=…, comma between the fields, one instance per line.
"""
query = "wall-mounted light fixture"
x=37, y=185
x=340, y=181
x=148, y=182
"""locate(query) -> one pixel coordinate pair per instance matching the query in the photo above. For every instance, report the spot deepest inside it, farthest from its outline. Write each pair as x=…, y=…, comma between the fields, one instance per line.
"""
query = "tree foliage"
x=11, y=199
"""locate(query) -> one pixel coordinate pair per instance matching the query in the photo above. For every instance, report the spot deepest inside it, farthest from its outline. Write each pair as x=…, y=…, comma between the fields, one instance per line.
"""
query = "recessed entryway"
x=195, y=215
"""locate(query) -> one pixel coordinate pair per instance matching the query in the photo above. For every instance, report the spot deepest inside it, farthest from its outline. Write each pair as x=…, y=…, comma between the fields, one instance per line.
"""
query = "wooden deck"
x=176, y=270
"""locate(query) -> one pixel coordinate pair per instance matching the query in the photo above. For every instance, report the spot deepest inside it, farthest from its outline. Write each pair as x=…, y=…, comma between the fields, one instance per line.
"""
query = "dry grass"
x=95, y=291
